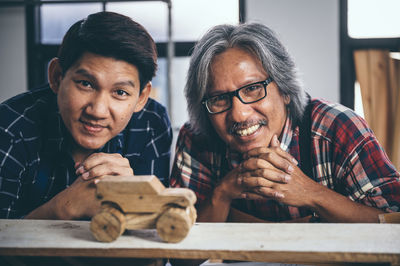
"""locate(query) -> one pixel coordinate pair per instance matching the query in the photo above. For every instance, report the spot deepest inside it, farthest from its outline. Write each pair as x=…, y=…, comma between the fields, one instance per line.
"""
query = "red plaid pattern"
x=346, y=157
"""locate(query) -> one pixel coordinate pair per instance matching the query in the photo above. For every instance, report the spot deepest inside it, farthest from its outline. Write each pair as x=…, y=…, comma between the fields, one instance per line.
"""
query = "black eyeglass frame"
x=265, y=83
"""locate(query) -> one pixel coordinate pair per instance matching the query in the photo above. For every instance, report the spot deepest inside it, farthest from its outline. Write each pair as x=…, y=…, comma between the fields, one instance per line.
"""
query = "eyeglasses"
x=250, y=93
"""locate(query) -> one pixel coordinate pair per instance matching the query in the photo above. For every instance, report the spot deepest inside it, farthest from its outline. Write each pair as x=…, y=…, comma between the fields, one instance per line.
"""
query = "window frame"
x=39, y=54
x=347, y=46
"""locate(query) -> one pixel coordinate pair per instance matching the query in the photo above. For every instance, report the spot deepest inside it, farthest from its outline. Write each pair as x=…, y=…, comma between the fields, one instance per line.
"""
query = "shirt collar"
x=55, y=135
x=114, y=145
x=288, y=133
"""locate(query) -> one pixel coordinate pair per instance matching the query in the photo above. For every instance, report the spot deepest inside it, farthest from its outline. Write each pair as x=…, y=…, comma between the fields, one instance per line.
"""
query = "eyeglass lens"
x=247, y=94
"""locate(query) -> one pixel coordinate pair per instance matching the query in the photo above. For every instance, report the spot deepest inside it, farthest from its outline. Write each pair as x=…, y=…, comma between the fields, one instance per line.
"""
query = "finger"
x=101, y=158
x=274, y=142
x=257, y=152
x=252, y=196
x=250, y=183
x=102, y=164
x=262, y=193
x=265, y=177
x=269, y=160
x=276, y=145
x=97, y=180
x=269, y=192
x=106, y=169
x=255, y=163
x=278, y=161
x=258, y=196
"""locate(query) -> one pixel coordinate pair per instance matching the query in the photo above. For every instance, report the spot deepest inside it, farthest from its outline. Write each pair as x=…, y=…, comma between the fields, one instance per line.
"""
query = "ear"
x=54, y=74
x=286, y=99
x=143, y=97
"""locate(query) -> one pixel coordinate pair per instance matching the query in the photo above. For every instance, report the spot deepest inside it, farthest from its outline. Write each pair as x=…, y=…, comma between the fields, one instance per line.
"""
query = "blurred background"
x=346, y=50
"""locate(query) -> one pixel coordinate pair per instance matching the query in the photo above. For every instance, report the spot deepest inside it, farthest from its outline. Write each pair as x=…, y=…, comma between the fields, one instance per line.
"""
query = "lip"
x=248, y=131
x=92, y=127
x=249, y=138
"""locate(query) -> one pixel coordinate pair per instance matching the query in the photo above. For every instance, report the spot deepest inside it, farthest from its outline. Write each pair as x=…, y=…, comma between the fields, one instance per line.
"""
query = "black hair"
x=112, y=35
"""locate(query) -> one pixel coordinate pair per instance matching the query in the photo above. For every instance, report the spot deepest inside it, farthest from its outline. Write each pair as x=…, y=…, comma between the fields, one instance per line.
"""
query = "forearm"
x=67, y=205
x=214, y=209
x=47, y=211
x=335, y=208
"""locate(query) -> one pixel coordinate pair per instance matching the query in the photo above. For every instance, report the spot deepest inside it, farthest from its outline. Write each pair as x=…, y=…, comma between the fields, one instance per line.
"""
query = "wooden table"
x=285, y=243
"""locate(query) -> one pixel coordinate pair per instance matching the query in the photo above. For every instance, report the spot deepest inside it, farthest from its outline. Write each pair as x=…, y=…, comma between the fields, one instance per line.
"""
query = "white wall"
x=13, y=69
x=308, y=28
x=310, y=31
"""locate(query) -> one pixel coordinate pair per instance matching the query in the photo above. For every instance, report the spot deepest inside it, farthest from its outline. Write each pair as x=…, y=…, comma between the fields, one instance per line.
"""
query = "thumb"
x=274, y=142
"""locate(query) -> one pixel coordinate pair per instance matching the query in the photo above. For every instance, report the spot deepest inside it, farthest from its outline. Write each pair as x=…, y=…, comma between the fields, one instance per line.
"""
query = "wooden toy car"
x=142, y=202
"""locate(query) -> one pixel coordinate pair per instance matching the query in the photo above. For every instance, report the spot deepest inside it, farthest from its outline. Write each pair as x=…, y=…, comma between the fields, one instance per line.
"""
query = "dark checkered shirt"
x=35, y=164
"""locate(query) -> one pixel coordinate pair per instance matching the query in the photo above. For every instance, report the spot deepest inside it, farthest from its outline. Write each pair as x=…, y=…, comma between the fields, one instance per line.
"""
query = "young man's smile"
x=93, y=128
x=97, y=97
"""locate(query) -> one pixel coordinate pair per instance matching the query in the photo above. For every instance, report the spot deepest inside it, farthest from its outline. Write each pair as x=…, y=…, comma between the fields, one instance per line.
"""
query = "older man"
x=95, y=118
x=257, y=144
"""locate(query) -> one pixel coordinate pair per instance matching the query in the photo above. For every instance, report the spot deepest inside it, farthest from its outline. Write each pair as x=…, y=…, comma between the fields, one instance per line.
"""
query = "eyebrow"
x=250, y=82
x=220, y=92
x=85, y=73
x=124, y=83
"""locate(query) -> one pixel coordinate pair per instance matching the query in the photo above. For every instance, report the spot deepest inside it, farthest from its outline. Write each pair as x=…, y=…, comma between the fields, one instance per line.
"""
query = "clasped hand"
x=78, y=200
x=269, y=172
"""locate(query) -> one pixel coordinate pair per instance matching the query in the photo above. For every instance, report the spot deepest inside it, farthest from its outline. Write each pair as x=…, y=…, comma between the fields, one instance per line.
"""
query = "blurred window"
x=54, y=26
x=373, y=18
x=190, y=20
x=371, y=24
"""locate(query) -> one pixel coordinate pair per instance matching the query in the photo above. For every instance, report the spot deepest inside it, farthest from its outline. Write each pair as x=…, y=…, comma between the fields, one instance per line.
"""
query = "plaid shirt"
x=345, y=157
x=34, y=161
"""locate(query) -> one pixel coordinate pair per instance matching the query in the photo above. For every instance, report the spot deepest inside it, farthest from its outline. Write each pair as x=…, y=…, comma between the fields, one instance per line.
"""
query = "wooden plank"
x=396, y=140
x=271, y=242
x=363, y=73
x=393, y=218
x=380, y=90
x=394, y=84
x=395, y=125
x=373, y=72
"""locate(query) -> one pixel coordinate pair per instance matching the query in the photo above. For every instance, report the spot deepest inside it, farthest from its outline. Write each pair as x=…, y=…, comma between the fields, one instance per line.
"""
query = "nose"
x=239, y=112
x=98, y=106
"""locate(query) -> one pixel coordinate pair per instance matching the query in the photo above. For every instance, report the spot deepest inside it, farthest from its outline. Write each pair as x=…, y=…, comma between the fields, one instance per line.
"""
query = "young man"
x=95, y=118
x=256, y=143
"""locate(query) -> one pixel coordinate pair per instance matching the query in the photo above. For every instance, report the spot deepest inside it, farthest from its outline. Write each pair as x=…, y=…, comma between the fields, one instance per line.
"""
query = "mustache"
x=241, y=125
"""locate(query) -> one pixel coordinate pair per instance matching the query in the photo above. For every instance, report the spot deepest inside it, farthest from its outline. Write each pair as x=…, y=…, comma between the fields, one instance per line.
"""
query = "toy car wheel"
x=108, y=224
x=192, y=213
x=173, y=225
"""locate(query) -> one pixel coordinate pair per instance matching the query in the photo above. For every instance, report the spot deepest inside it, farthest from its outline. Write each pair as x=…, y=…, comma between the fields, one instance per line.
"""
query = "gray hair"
x=255, y=38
